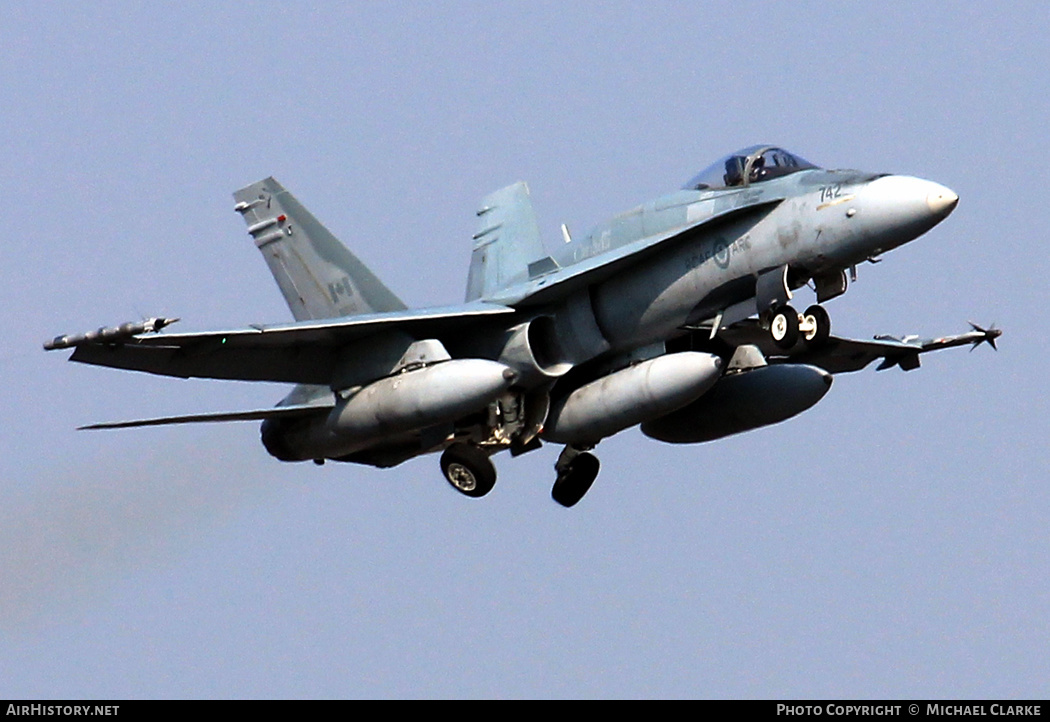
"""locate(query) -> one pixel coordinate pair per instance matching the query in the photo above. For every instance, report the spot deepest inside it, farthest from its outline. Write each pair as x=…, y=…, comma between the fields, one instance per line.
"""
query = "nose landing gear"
x=815, y=326
x=783, y=327
x=787, y=325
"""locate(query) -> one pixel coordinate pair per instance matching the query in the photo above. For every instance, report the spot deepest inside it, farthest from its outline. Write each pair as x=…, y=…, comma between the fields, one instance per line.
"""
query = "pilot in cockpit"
x=757, y=169
x=734, y=176
x=755, y=164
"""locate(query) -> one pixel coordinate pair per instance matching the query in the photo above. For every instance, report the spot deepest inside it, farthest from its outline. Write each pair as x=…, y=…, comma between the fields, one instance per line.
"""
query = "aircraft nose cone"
x=942, y=201
x=892, y=210
x=906, y=205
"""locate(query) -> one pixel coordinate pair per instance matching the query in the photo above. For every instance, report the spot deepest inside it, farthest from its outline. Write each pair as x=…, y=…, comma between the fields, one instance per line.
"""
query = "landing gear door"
x=771, y=289
x=830, y=285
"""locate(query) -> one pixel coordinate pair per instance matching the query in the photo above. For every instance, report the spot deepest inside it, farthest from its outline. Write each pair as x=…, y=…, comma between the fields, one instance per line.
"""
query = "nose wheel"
x=788, y=325
x=783, y=327
x=468, y=469
x=577, y=470
x=815, y=326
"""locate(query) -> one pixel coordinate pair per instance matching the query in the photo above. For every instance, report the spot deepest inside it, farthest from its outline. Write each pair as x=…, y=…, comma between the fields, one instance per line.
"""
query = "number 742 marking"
x=828, y=193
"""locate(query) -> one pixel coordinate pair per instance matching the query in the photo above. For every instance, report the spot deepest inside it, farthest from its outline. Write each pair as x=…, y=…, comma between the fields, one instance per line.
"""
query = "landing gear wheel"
x=574, y=481
x=784, y=327
x=818, y=326
x=468, y=469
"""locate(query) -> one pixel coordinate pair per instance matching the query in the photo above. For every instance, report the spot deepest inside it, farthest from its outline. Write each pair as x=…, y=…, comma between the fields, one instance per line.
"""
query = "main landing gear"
x=468, y=469
x=787, y=325
x=470, y=472
x=577, y=470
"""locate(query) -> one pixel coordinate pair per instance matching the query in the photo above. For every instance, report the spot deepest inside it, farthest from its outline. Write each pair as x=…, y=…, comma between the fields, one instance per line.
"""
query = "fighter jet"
x=675, y=315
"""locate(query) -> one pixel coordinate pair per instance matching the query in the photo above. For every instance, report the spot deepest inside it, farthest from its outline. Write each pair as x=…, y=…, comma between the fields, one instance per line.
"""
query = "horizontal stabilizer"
x=278, y=412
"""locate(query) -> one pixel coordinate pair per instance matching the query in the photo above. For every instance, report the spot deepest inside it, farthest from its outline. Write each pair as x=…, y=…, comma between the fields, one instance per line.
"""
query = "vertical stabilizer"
x=507, y=246
x=318, y=276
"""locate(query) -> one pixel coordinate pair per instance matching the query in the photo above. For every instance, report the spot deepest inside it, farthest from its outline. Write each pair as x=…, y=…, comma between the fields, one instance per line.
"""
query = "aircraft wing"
x=843, y=355
x=307, y=352
x=551, y=281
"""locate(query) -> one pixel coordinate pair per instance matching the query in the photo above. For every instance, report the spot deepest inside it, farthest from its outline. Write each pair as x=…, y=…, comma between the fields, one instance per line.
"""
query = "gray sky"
x=892, y=541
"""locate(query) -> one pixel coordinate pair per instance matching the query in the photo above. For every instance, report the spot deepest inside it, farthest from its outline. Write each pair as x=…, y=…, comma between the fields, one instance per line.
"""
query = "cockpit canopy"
x=750, y=165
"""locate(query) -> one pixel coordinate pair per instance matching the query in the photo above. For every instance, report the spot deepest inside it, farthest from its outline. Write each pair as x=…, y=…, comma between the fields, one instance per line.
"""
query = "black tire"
x=783, y=327
x=468, y=470
x=820, y=318
x=574, y=482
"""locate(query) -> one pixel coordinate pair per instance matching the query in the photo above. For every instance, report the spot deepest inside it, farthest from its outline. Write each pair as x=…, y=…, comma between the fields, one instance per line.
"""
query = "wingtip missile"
x=909, y=360
x=988, y=335
x=110, y=334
